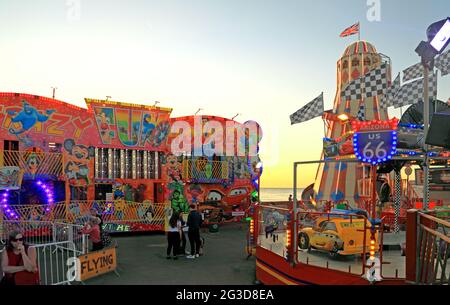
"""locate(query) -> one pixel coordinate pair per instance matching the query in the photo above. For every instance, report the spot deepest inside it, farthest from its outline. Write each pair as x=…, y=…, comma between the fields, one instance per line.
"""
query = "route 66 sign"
x=375, y=142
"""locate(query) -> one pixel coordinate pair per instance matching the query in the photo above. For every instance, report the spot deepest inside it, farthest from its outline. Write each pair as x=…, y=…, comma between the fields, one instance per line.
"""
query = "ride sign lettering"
x=375, y=142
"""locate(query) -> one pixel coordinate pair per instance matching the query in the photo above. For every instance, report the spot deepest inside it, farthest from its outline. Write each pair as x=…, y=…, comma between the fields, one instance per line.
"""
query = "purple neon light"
x=6, y=207
x=48, y=193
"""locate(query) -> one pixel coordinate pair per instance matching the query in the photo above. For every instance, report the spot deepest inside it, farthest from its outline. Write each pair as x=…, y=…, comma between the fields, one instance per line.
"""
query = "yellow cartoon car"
x=337, y=236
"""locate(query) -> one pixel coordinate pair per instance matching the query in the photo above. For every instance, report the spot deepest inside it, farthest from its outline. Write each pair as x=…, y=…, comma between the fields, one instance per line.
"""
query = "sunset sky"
x=261, y=59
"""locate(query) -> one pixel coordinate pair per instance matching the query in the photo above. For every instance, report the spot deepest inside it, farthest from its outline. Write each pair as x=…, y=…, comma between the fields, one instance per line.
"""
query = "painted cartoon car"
x=238, y=197
x=336, y=235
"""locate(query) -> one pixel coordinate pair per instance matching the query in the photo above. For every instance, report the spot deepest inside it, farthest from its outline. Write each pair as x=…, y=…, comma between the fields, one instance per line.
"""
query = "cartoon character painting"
x=195, y=190
x=240, y=168
x=173, y=167
x=237, y=197
x=118, y=191
x=147, y=129
x=33, y=161
x=28, y=117
x=146, y=212
x=160, y=134
x=36, y=215
x=74, y=208
x=119, y=208
x=208, y=170
x=77, y=162
x=179, y=202
x=104, y=118
x=214, y=196
x=10, y=178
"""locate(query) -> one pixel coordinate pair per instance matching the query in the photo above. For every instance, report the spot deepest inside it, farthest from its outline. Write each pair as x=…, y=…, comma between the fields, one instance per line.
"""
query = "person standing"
x=104, y=236
x=95, y=213
x=194, y=223
x=92, y=228
x=184, y=236
x=174, y=235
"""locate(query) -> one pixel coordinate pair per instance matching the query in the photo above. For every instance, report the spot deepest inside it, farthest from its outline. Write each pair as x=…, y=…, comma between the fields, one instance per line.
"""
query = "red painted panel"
x=307, y=274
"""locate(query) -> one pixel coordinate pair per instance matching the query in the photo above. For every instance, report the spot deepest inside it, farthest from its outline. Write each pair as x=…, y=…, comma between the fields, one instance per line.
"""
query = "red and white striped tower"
x=343, y=181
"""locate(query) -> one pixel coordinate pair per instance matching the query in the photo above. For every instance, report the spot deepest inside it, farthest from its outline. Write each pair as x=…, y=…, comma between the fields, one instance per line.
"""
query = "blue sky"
x=263, y=59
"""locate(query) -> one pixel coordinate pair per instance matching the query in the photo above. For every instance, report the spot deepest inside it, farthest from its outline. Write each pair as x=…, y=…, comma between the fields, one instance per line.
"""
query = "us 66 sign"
x=375, y=141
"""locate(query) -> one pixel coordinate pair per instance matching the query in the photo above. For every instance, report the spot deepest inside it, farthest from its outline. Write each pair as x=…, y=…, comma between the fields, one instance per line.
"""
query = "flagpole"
x=359, y=31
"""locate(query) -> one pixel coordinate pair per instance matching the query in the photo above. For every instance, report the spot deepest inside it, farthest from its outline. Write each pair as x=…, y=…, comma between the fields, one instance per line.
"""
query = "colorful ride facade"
x=58, y=160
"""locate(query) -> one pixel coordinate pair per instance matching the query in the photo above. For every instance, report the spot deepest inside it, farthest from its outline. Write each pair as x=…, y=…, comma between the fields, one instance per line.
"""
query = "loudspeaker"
x=439, y=132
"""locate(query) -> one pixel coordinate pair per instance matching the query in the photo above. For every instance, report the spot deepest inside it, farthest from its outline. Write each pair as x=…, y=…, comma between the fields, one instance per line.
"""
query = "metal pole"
x=397, y=200
x=294, y=218
x=259, y=189
x=426, y=122
x=374, y=191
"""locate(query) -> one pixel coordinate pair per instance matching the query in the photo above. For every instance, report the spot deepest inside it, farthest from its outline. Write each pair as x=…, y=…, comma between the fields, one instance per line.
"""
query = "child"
x=93, y=229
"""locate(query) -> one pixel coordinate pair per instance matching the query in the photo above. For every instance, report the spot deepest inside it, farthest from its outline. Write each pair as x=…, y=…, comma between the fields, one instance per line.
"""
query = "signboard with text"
x=96, y=263
x=375, y=142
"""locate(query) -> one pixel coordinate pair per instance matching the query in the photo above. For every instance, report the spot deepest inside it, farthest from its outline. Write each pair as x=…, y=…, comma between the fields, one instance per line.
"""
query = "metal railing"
x=33, y=163
x=308, y=219
x=118, y=211
x=76, y=212
x=410, y=194
x=280, y=240
x=44, y=232
x=271, y=225
x=433, y=250
x=53, y=261
x=204, y=170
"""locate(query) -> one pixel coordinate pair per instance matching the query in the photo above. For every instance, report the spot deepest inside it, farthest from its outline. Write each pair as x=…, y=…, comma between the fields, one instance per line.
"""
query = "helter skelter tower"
x=350, y=181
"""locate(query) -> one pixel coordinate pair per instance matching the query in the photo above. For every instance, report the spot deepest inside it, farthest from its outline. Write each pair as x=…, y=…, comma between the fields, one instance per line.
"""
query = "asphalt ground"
x=142, y=261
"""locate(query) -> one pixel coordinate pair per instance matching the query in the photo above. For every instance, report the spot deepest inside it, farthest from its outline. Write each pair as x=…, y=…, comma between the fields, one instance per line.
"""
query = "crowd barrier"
x=45, y=232
x=52, y=262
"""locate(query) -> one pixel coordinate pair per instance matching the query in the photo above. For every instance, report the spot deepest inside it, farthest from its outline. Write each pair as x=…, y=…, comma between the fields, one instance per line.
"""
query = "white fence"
x=53, y=262
x=55, y=244
x=44, y=232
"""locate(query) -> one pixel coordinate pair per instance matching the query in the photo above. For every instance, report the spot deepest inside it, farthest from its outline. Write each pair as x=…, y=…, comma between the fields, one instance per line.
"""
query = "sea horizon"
x=277, y=194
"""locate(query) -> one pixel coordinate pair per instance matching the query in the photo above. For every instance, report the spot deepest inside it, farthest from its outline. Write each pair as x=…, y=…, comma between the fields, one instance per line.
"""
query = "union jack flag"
x=354, y=29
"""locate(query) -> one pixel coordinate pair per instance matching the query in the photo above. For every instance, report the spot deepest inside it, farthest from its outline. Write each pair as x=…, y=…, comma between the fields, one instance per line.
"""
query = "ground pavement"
x=142, y=261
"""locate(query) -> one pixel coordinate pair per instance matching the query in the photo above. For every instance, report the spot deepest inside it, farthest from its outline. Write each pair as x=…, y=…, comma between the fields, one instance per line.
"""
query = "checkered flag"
x=362, y=112
x=443, y=63
x=372, y=84
x=388, y=99
x=413, y=72
x=412, y=93
x=311, y=110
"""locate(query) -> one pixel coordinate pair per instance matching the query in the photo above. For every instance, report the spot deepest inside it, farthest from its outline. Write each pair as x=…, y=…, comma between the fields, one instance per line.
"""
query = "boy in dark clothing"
x=194, y=223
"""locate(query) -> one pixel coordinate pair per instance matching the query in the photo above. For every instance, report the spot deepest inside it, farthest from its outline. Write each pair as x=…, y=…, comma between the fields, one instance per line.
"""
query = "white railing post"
x=54, y=232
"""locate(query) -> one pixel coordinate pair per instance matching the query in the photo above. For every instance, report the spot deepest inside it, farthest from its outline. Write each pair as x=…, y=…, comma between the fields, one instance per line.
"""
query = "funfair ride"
x=57, y=161
x=358, y=223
